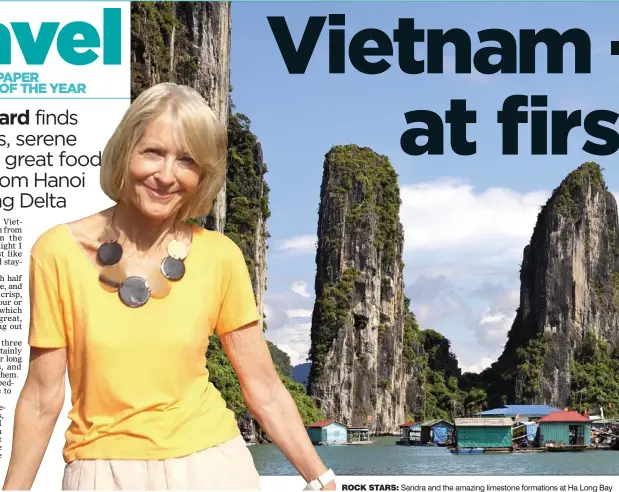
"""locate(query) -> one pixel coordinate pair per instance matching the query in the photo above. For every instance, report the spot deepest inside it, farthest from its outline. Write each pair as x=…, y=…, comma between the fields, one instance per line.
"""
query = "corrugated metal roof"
x=324, y=423
x=564, y=416
x=513, y=410
x=409, y=424
x=484, y=422
x=430, y=423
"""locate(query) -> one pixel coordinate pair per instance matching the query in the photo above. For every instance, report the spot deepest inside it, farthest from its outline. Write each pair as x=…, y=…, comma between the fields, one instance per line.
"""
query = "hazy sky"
x=467, y=219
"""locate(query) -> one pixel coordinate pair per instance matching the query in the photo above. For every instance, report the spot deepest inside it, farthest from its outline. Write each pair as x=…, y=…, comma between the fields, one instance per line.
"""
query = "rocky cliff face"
x=569, y=292
x=358, y=374
x=247, y=211
x=187, y=43
x=247, y=200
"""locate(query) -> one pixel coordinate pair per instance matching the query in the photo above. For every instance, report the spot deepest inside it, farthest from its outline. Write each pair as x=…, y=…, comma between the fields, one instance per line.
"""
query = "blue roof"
x=513, y=410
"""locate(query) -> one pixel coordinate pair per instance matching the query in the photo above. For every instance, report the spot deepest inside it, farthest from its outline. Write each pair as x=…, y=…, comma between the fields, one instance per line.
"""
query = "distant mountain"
x=301, y=372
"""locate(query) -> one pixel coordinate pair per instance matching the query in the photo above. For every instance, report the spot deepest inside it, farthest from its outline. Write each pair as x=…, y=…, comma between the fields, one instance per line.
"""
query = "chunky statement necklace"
x=134, y=289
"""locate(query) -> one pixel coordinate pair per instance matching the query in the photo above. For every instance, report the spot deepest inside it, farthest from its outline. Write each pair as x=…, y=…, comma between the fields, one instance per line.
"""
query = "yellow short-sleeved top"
x=139, y=384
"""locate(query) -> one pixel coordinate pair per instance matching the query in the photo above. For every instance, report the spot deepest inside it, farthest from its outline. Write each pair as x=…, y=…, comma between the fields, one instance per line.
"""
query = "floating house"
x=436, y=432
x=410, y=434
x=522, y=413
x=601, y=423
x=326, y=432
x=483, y=434
x=358, y=435
x=565, y=429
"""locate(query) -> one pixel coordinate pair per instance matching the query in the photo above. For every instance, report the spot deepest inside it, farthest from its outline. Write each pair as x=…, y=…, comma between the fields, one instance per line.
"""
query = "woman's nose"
x=165, y=175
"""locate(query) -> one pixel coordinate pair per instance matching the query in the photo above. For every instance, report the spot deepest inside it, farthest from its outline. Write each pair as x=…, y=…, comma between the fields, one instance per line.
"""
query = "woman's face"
x=162, y=176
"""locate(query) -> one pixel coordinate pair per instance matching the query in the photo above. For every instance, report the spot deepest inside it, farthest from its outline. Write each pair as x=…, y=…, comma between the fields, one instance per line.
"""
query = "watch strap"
x=321, y=481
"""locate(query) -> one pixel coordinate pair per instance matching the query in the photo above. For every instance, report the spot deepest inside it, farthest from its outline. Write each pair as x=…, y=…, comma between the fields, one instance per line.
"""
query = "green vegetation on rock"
x=411, y=340
x=310, y=413
x=223, y=377
x=608, y=292
x=247, y=193
x=333, y=310
x=530, y=362
x=440, y=377
x=369, y=184
x=428, y=354
x=281, y=360
x=567, y=198
x=595, y=378
x=154, y=27
x=152, y=24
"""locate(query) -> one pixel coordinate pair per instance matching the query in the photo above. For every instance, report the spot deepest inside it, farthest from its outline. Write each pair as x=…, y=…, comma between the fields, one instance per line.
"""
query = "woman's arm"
x=269, y=401
x=38, y=407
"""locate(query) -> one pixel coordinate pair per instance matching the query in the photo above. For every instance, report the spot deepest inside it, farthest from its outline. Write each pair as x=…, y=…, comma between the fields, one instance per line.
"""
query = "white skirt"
x=228, y=466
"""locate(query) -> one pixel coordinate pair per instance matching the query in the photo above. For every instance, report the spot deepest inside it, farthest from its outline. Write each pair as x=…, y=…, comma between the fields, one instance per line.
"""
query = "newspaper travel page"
x=309, y=246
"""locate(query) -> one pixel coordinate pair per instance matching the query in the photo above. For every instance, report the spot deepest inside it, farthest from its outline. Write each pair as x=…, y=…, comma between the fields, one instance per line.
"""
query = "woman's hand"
x=268, y=400
x=38, y=407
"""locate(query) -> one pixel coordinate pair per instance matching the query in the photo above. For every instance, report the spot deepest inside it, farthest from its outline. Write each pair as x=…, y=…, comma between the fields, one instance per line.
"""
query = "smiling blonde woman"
x=125, y=301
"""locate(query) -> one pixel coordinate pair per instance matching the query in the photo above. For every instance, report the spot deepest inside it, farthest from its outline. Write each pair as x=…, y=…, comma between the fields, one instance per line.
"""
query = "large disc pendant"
x=172, y=268
x=110, y=253
x=134, y=292
x=112, y=277
x=159, y=286
x=178, y=250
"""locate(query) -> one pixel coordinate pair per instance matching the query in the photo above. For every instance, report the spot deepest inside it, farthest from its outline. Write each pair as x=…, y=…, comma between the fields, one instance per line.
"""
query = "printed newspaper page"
x=309, y=245
x=64, y=85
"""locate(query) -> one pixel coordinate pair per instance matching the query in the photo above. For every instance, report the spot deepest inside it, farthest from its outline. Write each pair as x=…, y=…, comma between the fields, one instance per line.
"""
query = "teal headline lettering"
x=70, y=38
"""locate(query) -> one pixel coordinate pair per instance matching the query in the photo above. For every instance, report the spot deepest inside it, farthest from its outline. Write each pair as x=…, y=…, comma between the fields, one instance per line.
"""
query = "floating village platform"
x=509, y=429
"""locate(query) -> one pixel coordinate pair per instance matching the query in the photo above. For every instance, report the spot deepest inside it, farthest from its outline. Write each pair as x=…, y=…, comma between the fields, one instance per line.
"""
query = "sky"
x=466, y=218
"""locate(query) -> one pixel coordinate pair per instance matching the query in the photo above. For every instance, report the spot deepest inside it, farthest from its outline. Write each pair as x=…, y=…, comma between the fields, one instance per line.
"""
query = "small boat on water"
x=408, y=442
x=565, y=449
x=467, y=450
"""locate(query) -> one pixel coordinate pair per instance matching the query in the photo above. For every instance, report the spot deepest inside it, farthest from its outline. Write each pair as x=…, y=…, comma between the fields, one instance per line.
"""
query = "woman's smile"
x=159, y=194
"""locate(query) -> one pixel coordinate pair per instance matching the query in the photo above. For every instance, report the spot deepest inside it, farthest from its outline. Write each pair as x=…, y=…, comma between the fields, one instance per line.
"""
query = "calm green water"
x=385, y=458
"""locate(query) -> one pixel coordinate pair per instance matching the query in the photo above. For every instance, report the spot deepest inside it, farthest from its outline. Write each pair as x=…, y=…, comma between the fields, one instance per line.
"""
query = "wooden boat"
x=565, y=449
x=480, y=450
x=402, y=442
x=467, y=450
x=498, y=450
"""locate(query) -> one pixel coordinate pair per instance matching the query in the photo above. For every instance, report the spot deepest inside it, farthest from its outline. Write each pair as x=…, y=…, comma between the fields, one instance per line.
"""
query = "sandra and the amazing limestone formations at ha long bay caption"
x=371, y=366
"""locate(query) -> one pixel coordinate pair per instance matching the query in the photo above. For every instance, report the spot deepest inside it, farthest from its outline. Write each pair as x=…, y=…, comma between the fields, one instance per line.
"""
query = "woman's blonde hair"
x=203, y=135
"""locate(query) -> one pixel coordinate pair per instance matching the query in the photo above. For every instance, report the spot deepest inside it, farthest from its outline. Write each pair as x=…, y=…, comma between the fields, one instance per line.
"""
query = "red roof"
x=322, y=423
x=408, y=424
x=564, y=416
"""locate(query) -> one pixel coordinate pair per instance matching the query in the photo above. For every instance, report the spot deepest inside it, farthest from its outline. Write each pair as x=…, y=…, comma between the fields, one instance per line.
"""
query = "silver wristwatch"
x=321, y=481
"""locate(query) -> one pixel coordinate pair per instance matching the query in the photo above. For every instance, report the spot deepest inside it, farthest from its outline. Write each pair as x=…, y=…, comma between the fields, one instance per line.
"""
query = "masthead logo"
x=77, y=43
